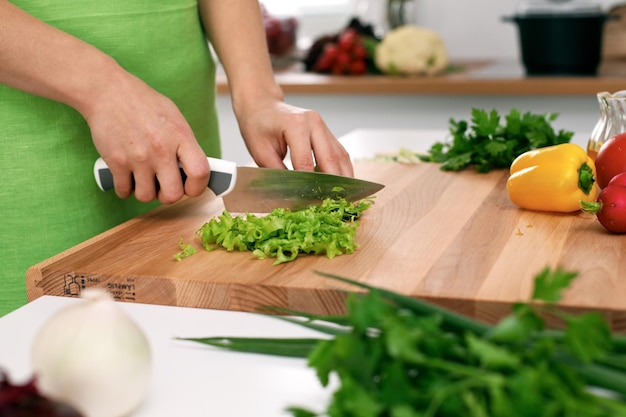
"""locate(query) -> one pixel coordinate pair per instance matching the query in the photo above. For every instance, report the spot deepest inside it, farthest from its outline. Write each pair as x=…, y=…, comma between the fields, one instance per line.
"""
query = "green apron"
x=49, y=200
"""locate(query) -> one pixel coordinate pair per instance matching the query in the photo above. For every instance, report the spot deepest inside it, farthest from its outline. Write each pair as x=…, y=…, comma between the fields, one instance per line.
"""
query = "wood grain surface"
x=452, y=238
x=476, y=77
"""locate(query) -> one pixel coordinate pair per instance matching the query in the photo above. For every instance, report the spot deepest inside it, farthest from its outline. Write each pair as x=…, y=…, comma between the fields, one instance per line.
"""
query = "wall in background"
x=471, y=29
x=475, y=29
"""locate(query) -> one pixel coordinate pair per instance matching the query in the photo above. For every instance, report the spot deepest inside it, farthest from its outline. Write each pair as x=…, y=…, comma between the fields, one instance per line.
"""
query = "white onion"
x=92, y=356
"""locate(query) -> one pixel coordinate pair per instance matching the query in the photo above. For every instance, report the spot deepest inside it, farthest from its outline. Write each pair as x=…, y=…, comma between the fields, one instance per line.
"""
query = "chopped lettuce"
x=283, y=234
x=186, y=250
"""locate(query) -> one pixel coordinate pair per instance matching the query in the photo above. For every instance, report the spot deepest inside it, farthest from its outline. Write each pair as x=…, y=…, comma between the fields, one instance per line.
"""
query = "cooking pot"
x=560, y=37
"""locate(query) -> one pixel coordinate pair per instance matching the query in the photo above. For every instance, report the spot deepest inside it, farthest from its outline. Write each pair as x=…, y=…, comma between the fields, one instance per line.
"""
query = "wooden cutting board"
x=452, y=238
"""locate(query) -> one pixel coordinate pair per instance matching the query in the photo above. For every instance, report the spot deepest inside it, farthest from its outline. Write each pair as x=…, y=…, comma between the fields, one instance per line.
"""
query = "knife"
x=261, y=190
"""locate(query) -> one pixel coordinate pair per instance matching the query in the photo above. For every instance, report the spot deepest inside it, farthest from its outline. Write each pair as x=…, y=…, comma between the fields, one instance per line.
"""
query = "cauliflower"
x=411, y=50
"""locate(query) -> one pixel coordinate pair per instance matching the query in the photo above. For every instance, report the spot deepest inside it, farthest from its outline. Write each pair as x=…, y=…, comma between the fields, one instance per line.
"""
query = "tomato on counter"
x=610, y=207
x=611, y=159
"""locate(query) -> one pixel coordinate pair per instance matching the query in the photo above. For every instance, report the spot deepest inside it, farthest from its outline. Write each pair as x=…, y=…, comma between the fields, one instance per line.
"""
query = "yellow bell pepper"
x=554, y=178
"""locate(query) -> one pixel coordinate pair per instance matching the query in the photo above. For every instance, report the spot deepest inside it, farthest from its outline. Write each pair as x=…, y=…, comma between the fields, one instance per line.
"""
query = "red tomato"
x=358, y=67
x=342, y=63
x=359, y=51
x=611, y=159
x=618, y=180
x=347, y=39
x=612, y=199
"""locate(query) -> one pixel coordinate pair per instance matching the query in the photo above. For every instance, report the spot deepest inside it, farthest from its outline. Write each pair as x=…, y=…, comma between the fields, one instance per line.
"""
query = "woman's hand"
x=142, y=136
x=138, y=132
x=269, y=127
x=272, y=127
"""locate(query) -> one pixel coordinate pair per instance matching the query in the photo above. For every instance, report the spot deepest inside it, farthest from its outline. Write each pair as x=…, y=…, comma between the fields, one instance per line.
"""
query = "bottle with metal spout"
x=611, y=122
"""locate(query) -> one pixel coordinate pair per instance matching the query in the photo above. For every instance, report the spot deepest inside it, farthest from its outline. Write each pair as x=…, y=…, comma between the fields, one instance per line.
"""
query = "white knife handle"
x=222, y=180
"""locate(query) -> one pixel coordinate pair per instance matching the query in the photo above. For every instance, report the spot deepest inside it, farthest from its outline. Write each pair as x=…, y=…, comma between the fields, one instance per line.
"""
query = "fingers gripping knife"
x=222, y=181
x=260, y=190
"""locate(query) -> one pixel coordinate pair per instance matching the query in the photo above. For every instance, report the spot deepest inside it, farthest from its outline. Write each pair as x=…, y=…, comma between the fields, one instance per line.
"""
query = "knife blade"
x=261, y=190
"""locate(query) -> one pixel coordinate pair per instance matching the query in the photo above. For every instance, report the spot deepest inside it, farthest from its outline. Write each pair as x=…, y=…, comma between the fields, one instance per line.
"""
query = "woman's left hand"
x=269, y=126
x=272, y=128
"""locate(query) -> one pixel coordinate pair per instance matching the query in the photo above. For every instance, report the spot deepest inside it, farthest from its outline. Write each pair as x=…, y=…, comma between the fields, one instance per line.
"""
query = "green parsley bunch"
x=397, y=356
x=485, y=143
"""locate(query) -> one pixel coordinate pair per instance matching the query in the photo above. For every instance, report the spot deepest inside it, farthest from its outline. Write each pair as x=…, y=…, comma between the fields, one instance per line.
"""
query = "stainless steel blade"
x=261, y=190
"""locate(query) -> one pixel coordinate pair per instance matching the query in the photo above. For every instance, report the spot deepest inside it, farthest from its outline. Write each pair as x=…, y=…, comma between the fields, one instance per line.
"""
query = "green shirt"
x=49, y=200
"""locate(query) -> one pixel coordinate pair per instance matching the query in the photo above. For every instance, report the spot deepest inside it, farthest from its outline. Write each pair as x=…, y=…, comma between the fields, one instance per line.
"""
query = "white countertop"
x=365, y=143
x=190, y=379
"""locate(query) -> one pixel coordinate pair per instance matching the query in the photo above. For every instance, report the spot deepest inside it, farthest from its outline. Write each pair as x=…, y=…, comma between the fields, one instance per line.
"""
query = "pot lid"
x=561, y=7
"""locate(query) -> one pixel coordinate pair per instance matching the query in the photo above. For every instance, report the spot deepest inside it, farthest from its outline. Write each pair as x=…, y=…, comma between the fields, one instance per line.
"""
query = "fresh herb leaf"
x=487, y=144
x=485, y=124
x=186, y=250
x=491, y=355
x=587, y=336
x=549, y=285
x=270, y=346
x=457, y=162
x=518, y=326
x=300, y=412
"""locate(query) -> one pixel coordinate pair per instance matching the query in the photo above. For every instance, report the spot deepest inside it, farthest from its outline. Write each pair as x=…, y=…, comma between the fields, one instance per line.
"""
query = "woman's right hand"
x=142, y=136
x=139, y=132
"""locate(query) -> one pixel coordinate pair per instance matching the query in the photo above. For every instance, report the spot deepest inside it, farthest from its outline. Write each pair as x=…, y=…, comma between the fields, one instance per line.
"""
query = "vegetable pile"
x=397, y=356
x=283, y=234
x=486, y=144
x=348, y=52
x=405, y=50
x=347, y=56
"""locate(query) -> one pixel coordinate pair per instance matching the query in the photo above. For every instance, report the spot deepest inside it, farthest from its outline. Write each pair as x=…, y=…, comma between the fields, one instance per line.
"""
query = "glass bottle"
x=611, y=122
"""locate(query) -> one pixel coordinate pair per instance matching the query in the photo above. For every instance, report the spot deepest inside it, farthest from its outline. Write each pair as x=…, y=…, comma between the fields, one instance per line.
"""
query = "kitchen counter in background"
x=480, y=78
